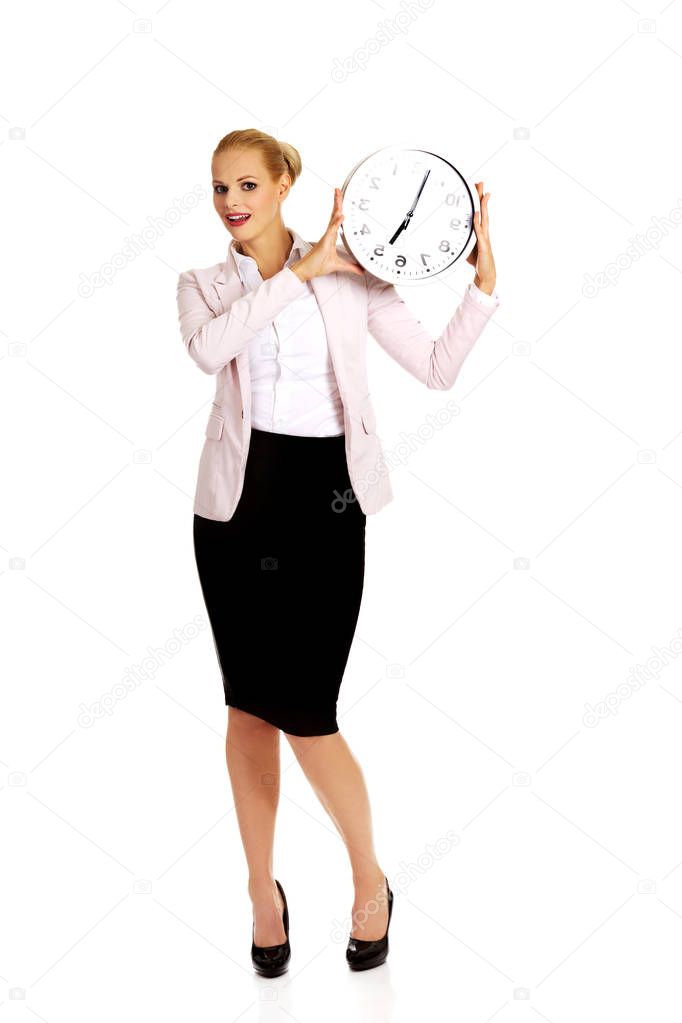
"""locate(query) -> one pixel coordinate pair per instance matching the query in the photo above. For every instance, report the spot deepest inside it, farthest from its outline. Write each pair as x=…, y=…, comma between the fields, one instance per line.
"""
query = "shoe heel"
x=273, y=960
x=365, y=955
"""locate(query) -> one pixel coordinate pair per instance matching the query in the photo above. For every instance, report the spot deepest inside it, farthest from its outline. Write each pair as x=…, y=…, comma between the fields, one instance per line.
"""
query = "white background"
x=558, y=895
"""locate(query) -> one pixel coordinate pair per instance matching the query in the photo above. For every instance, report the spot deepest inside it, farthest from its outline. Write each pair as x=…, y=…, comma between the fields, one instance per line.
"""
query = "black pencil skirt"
x=282, y=581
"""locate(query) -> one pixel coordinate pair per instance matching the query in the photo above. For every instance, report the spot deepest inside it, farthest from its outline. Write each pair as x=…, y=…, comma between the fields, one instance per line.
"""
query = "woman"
x=290, y=467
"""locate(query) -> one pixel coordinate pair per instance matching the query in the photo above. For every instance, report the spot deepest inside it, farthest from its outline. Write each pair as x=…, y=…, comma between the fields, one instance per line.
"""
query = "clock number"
x=400, y=261
x=365, y=230
x=452, y=200
x=379, y=250
x=455, y=223
x=425, y=256
x=363, y=204
x=374, y=182
x=444, y=246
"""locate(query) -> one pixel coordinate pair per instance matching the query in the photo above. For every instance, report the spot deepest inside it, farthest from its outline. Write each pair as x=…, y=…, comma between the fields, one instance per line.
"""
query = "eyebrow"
x=217, y=181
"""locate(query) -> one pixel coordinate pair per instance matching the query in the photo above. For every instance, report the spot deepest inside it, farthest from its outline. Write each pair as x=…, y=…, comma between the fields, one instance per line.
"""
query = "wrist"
x=487, y=286
x=302, y=270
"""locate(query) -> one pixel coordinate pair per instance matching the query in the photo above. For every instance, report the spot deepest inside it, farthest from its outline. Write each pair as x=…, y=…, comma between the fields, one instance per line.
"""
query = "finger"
x=351, y=265
x=336, y=205
x=337, y=213
x=484, y=210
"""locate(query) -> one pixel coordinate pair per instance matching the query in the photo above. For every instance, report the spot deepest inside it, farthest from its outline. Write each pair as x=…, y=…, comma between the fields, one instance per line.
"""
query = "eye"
x=218, y=188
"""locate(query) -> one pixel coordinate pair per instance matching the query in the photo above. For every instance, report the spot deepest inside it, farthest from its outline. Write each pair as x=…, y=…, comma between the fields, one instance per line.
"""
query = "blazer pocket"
x=214, y=426
x=367, y=416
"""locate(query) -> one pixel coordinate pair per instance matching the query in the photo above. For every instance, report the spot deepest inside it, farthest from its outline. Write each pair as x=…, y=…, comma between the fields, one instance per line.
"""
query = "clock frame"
x=404, y=172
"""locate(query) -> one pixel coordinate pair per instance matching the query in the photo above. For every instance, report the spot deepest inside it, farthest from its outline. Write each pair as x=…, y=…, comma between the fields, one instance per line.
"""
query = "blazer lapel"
x=331, y=294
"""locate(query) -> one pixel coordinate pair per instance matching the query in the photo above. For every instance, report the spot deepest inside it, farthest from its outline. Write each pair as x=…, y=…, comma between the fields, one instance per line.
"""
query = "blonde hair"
x=278, y=157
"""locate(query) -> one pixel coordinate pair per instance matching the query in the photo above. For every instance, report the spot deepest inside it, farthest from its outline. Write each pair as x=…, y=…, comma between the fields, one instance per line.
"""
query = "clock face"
x=408, y=214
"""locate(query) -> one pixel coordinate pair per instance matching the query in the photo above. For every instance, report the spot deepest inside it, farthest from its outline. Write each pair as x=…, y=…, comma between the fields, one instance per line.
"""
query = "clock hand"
x=421, y=189
x=411, y=210
x=401, y=228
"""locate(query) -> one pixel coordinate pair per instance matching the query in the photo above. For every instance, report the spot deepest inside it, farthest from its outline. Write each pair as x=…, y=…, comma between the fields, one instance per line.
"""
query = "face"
x=241, y=184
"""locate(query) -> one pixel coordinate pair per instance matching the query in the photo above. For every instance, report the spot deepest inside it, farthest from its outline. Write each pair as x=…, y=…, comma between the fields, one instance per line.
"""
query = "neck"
x=270, y=249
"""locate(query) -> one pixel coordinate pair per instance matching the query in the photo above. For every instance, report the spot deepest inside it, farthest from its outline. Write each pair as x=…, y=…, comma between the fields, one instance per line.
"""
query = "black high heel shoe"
x=272, y=960
x=362, y=954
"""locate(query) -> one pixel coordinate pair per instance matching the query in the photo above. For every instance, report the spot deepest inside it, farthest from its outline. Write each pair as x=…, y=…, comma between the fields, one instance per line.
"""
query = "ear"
x=284, y=185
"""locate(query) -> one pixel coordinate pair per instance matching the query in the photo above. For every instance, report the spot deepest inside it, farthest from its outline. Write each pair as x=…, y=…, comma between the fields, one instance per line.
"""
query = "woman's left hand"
x=481, y=256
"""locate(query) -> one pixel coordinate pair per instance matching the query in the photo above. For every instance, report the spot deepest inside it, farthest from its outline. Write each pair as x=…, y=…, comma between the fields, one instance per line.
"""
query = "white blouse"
x=293, y=386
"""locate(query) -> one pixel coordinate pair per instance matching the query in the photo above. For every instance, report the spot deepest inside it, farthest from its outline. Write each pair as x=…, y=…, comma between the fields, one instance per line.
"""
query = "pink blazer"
x=218, y=321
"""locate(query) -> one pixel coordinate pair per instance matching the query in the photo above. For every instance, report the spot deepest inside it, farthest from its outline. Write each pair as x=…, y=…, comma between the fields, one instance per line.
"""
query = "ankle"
x=367, y=874
x=261, y=887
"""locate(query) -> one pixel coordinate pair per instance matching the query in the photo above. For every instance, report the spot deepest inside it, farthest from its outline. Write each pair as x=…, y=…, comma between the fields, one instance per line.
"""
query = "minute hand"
x=411, y=210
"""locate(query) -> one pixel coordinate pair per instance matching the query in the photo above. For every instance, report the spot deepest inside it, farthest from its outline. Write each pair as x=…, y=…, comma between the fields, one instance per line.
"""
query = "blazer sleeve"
x=211, y=340
x=436, y=362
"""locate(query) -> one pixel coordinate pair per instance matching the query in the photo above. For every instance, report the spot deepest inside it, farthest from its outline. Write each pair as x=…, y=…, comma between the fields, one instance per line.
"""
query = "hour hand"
x=399, y=230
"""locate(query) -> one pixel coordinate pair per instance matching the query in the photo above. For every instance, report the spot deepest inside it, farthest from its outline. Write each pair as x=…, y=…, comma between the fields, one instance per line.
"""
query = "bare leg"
x=337, y=779
x=252, y=753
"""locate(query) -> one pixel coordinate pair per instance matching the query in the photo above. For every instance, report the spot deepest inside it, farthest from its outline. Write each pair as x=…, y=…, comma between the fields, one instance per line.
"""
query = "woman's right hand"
x=323, y=257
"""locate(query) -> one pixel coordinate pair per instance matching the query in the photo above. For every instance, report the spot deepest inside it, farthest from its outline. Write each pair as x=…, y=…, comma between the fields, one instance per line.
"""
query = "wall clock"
x=408, y=214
